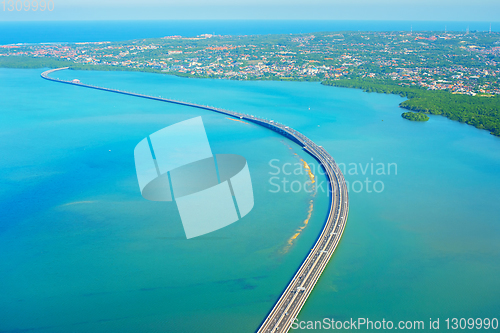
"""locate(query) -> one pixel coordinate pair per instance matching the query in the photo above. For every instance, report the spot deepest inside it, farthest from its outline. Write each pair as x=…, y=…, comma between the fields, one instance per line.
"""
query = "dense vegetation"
x=414, y=116
x=30, y=62
x=481, y=112
x=33, y=62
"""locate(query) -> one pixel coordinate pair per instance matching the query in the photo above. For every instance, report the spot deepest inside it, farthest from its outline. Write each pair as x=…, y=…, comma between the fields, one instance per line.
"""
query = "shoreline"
x=482, y=112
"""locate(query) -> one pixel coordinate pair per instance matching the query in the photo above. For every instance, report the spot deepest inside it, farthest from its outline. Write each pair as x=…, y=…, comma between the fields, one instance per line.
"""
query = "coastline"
x=478, y=111
x=482, y=112
x=58, y=63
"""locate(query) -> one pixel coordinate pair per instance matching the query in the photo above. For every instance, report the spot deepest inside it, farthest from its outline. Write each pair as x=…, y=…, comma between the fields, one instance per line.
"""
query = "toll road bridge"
x=288, y=306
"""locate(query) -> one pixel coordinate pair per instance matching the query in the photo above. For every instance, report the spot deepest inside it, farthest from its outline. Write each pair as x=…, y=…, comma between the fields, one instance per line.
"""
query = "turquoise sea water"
x=96, y=31
x=82, y=251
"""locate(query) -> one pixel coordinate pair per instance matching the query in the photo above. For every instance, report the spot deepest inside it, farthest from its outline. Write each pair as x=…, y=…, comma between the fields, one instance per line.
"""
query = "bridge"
x=288, y=306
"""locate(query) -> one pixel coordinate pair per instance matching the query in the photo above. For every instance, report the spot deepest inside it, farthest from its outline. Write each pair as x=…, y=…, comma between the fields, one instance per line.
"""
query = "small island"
x=415, y=116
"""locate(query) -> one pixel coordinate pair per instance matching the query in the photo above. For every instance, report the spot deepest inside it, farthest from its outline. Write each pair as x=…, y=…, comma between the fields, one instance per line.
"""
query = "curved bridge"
x=288, y=306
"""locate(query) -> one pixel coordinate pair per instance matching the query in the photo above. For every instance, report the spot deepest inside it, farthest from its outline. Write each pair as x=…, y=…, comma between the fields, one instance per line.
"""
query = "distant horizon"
x=256, y=19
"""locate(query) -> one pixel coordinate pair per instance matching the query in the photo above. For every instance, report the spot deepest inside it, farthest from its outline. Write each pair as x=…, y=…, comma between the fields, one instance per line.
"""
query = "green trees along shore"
x=482, y=112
